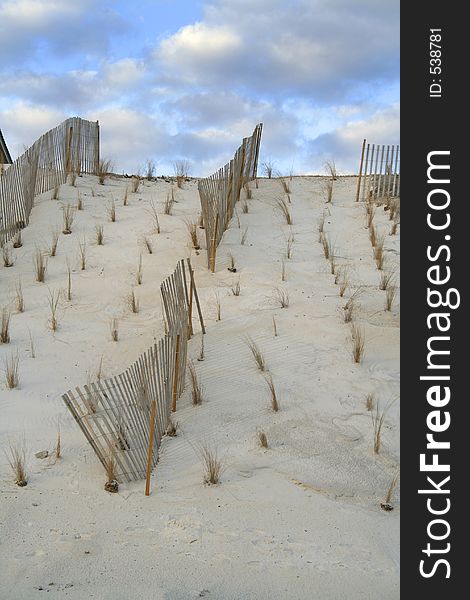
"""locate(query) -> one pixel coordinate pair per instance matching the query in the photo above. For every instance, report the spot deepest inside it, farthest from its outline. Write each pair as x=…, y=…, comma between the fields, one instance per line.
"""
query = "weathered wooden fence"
x=125, y=417
x=71, y=146
x=220, y=191
x=379, y=172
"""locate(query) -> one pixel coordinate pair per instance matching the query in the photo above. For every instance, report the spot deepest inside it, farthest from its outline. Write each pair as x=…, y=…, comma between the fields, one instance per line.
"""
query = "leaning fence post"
x=190, y=311
x=360, y=171
x=175, y=374
x=149, y=457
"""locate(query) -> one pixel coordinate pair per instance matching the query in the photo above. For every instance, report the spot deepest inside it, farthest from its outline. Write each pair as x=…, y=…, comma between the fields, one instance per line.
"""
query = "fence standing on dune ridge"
x=220, y=191
x=125, y=417
x=379, y=172
x=72, y=146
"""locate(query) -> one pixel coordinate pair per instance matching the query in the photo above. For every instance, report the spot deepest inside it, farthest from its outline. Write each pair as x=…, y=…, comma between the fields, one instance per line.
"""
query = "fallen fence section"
x=379, y=172
x=220, y=191
x=115, y=414
x=72, y=146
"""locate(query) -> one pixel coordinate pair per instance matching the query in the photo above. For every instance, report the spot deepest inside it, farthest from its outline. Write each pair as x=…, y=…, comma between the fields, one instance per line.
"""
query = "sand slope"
x=298, y=520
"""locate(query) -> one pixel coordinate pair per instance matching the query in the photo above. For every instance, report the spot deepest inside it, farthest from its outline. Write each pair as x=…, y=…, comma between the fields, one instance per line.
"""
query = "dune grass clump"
x=197, y=389
x=54, y=242
x=172, y=428
x=82, y=249
x=80, y=205
x=111, y=210
x=132, y=302
x=372, y=235
x=390, y=294
x=289, y=244
x=19, y=297
x=379, y=254
x=244, y=236
x=213, y=466
x=330, y=167
x=329, y=190
x=7, y=256
x=169, y=201
x=181, y=168
x=358, y=342
x=262, y=439
x=343, y=281
x=53, y=302
x=114, y=329
x=104, y=168
x=282, y=207
x=378, y=418
x=245, y=207
x=68, y=215
x=139, y=276
x=192, y=227
x=285, y=184
x=110, y=467
x=55, y=192
x=5, y=326
x=236, y=288
x=321, y=227
x=327, y=246
x=17, y=241
x=218, y=306
x=69, y=281
x=135, y=184
x=281, y=297
x=148, y=245
x=99, y=235
x=12, y=379
x=40, y=265
x=257, y=354
x=386, y=279
x=268, y=168
x=16, y=456
x=387, y=503
x=272, y=391
x=370, y=401
x=152, y=210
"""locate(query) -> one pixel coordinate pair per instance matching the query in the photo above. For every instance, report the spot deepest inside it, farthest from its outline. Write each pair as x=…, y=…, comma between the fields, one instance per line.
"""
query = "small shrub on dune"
x=16, y=456
x=11, y=364
x=181, y=168
x=268, y=168
x=40, y=265
x=272, y=391
x=257, y=353
x=330, y=167
x=5, y=326
x=150, y=167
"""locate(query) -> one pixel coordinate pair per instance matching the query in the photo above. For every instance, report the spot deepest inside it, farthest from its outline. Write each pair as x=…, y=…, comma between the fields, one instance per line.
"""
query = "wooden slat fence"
x=115, y=414
x=220, y=191
x=71, y=146
x=379, y=172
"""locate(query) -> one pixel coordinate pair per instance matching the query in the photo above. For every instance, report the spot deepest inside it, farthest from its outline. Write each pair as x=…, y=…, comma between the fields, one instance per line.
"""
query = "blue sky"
x=174, y=79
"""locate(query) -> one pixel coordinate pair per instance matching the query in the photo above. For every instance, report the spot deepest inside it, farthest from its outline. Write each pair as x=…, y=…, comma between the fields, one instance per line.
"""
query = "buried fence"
x=220, y=191
x=379, y=172
x=72, y=146
x=125, y=417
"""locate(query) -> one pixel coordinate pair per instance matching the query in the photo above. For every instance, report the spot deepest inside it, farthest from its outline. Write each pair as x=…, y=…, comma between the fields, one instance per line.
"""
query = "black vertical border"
x=430, y=124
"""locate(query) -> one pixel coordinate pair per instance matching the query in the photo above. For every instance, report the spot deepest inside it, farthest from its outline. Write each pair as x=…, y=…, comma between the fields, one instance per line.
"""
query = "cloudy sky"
x=172, y=79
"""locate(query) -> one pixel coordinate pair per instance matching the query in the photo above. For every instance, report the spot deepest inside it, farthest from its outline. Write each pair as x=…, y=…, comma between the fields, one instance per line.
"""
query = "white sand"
x=299, y=520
